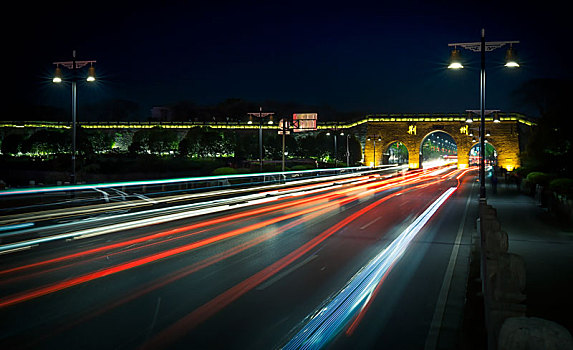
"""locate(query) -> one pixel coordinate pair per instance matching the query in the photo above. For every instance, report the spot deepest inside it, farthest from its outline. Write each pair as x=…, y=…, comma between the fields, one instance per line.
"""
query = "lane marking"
x=286, y=272
x=434, y=332
x=353, y=300
x=18, y=249
x=370, y=223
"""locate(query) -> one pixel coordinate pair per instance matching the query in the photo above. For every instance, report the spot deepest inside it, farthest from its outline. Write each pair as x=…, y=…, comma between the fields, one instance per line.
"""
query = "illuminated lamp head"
x=57, y=75
x=511, y=58
x=91, y=74
x=455, y=60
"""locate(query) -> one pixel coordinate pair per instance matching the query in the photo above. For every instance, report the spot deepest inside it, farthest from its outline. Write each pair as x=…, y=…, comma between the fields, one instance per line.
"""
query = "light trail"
x=58, y=286
x=244, y=202
x=157, y=220
x=182, y=326
x=83, y=234
x=332, y=318
x=303, y=184
x=37, y=190
x=182, y=273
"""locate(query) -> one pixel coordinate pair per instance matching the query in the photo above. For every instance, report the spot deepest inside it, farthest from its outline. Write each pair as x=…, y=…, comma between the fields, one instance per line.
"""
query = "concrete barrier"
x=524, y=333
x=503, y=284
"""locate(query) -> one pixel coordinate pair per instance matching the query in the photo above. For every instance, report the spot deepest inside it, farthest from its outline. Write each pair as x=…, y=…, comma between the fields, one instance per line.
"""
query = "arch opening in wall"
x=490, y=155
x=438, y=148
x=396, y=153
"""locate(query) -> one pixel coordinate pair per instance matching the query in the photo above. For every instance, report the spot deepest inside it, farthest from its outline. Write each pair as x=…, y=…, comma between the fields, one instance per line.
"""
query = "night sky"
x=371, y=57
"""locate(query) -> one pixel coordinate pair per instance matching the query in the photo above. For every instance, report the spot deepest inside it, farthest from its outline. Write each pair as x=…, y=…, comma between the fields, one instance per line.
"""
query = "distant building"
x=161, y=114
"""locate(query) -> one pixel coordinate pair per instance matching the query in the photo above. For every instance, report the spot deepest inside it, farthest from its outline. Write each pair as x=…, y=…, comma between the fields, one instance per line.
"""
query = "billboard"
x=304, y=122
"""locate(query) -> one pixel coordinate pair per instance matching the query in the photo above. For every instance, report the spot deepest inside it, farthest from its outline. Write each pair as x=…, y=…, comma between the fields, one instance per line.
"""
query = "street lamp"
x=335, y=145
x=373, y=139
x=261, y=115
x=74, y=65
x=284, y=129
x=347, y=149
x=455, y=63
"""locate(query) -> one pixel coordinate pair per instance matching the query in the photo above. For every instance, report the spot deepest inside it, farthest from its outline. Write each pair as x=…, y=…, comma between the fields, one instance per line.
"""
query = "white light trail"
x=331, y=319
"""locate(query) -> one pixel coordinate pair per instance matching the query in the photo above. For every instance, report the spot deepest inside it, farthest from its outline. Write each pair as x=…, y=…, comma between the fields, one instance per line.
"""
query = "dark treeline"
x=106, y=155
x=231, y=109
x=550, y=146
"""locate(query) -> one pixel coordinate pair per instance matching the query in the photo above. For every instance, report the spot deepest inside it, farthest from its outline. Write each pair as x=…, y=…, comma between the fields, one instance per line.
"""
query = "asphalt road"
x=255, y=276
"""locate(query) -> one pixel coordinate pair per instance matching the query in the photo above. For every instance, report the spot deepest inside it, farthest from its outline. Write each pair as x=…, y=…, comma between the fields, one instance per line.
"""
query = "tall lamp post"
x=335, y=135
x=261, y=115
x=455, y=63
x=284, y=126
x=374, y=139
x=347, y=149
x=74, y=65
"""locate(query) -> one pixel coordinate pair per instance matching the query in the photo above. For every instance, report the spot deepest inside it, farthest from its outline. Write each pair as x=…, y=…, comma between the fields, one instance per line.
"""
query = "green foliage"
x=47, y=142
x=521, y=171
x=12, y=144
x=538, y=178
x=398, y=153
x=550, y=146
x=563, y=186
x=156, y=140
x=243, y=170
x=299, y=167
x=202, y=142
x=224, y=171
x=92, y=142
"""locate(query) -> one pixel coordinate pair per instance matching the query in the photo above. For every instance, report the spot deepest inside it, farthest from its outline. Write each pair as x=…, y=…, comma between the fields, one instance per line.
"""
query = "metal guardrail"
x=12, y=200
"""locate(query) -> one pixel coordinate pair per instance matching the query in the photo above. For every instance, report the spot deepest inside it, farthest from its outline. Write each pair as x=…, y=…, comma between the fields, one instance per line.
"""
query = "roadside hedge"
x=224, y=171
x=562, y=186
x=538, y=178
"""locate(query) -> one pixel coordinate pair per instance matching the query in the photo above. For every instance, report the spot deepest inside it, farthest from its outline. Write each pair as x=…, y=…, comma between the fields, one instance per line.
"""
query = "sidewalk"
x=546, y=245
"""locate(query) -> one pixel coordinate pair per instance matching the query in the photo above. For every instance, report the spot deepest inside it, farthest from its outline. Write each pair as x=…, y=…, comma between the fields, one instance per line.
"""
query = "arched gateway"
x=506, y=131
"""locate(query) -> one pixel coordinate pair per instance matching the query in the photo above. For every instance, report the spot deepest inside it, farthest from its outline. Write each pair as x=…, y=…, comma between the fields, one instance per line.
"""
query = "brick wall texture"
x=504, y=137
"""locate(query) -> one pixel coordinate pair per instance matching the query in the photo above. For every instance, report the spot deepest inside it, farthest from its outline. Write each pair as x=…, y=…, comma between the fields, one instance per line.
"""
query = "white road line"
x=286, y=272
x=17, y=249
x=370, y=223
x=434, y=332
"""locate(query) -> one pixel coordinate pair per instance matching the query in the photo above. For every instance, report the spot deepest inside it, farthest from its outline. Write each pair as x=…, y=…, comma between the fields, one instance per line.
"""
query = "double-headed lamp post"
x=335, y=135
x=347, y=149
x=261, y=115
x=374, y=139
x=74, y=65
x=455, y=63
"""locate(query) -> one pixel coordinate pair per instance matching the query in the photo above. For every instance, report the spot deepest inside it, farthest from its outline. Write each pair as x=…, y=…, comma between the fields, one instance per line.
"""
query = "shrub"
x=538, y=178
x=563, y=186
x=224, y=171
x=243, y=170
x=299, y=167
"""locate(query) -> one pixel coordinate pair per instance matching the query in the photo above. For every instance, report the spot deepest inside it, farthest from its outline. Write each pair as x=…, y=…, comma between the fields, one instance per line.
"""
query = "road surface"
x=366, y=264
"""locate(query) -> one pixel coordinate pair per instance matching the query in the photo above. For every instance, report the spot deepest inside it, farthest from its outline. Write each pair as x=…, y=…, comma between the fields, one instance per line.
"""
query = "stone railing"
x=503, y=285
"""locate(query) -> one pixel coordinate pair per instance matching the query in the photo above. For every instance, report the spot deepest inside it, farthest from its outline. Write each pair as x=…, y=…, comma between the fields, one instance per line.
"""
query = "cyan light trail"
x=331, y=319
x=37, y=190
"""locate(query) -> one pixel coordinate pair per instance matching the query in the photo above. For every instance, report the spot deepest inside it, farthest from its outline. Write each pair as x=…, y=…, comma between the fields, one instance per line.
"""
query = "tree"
x=550, y=148
x=47, y=142
x=112, y=109
x=139, y=142
x=355, y=149
x=161, y=141
x=183, y=111
x=189, y=145
x=12, y=144
x=91, y=142
x=234, y=109
x=205, y=142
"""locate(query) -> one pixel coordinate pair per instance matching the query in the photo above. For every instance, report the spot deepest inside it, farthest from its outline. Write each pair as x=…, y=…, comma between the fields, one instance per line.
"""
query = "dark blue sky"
x=377, y=57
